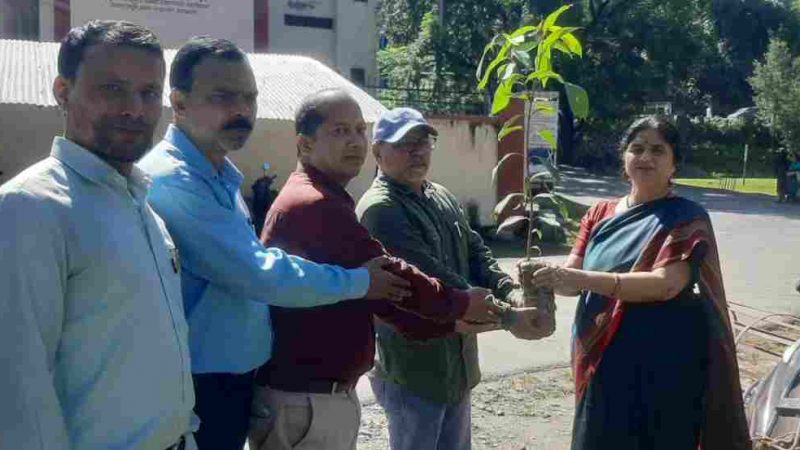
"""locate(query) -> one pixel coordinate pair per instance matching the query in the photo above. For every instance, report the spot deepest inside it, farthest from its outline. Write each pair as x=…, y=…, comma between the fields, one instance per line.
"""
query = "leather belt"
x=311, y=386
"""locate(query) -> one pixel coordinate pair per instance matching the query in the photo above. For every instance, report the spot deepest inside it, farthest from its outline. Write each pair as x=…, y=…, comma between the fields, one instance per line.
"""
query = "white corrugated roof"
x=27, y=70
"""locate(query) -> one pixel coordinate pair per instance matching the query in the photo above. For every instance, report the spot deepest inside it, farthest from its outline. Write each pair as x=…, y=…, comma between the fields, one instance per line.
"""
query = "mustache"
x=129, y=124
x=239, y=124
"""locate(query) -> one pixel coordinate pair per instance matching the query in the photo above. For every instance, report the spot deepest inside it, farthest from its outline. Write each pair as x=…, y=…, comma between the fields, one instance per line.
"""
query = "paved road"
x=759, y=245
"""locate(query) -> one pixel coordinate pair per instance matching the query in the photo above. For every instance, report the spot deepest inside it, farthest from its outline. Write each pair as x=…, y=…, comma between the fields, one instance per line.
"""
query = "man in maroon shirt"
x=306, y=392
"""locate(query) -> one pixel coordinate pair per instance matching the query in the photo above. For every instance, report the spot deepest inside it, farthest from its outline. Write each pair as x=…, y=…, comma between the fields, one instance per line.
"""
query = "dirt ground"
x=528, y=411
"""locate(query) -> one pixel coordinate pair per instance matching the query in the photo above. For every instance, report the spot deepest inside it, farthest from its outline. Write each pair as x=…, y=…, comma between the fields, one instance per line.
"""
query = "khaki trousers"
x=283, y=420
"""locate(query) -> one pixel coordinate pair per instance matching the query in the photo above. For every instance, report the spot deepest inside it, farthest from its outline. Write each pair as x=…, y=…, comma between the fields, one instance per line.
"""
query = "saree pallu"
x=660, y=375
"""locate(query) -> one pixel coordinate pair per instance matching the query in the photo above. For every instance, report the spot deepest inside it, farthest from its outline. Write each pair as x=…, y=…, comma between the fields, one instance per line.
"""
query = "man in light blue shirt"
x=229, y=279
x=93, y=340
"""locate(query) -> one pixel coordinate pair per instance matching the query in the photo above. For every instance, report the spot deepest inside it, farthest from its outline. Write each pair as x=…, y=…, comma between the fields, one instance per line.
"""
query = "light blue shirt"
x=229, y=279
x=93, y=340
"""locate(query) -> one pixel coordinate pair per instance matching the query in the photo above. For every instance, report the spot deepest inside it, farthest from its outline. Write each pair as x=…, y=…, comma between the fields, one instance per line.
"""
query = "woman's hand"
x=562, y=280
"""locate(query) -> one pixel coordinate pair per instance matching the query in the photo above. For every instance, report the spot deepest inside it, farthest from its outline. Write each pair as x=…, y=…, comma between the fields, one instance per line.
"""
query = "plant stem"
x=525, y=177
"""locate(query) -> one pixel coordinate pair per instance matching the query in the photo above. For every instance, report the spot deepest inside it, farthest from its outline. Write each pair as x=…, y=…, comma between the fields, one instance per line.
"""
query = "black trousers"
x=222, y=401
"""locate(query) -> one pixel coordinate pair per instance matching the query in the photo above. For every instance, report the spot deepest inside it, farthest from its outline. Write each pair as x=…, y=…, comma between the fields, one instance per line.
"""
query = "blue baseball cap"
x=395, y=123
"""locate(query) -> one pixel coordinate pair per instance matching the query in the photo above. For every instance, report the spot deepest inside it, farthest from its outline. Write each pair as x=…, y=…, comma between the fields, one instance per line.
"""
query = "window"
x=308, y=21
x=358, y=76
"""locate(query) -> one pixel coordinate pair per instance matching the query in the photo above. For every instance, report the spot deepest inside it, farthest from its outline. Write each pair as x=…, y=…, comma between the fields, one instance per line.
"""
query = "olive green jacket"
x=431, y=232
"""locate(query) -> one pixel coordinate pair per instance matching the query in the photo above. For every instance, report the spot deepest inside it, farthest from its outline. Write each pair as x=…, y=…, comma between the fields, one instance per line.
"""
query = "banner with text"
x=174, y=21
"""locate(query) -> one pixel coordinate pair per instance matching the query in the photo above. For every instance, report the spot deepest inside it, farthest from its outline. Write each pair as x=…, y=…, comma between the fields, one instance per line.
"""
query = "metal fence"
x=432, y=101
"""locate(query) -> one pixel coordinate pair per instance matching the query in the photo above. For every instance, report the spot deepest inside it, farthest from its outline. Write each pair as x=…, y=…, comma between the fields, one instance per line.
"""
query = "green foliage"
x=717, y=146
x=444, y=45
x=712, y=146
x=777, y=93
x=692, y=53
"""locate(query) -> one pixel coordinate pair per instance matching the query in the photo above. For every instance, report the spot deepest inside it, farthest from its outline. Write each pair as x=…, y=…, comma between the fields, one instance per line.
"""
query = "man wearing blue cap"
x=425, y=390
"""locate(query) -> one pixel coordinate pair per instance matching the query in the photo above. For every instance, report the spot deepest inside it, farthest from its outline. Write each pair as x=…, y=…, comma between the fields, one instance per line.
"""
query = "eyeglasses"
x=426, y=143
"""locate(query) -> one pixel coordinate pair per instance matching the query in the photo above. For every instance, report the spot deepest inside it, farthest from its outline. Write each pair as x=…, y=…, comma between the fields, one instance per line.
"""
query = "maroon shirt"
x=315, y=218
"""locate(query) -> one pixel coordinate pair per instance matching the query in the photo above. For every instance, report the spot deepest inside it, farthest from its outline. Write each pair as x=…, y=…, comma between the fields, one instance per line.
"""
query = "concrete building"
x=465, y=153
x=340, y=33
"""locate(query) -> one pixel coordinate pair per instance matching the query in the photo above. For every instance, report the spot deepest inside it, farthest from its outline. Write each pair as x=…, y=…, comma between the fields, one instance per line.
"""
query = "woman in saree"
x=652, y=352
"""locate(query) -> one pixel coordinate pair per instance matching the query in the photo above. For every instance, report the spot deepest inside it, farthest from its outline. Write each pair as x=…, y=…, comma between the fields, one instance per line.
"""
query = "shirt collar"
x=98, y=171
x=197, y=160
x=400, y=187
x=320, y=179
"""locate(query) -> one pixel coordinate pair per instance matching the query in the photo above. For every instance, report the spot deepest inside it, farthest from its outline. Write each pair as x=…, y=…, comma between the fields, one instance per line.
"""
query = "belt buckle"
x=334, y=386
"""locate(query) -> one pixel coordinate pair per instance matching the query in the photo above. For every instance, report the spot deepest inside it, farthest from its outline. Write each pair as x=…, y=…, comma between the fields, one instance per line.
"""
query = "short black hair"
x=106, y=32
x=661, y=125
x=311, y=113
x=193, y=52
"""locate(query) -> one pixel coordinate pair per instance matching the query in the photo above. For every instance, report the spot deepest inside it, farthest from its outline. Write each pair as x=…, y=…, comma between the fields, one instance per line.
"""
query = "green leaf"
x=503, y=94
x=506, y=131
x=492, y=44
x=509, y=70
x=550, y=220
x=551, y=169
x=523, y=58
x=547, y=201
x=510, y=202
x=500, y=163
x=545, y=108
x=573, y=44
x=560, y=46
x=548, y=136
x=556, y=36
x=578, y=100
x=562, y=208
x=499, y=59
x=551, y=19
x=538, y=233
x=509, y=127
x=511, y=224
x=544, y=76
x=543, y=58
x=529, y=45
x=512, y=121
x=522, y=31
x=537, y=248
x=541, y=176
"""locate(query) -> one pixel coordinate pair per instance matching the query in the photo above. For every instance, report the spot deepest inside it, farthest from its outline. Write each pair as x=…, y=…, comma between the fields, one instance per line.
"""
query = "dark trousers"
x=222, y=401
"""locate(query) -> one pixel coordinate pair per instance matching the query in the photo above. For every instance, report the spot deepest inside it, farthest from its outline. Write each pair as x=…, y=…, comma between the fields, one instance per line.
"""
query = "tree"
x=777, y=93
x=440, y=46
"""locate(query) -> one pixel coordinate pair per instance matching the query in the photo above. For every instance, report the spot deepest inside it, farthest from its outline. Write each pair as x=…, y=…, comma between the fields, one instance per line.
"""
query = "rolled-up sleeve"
x=217, y=245
x=33, y=276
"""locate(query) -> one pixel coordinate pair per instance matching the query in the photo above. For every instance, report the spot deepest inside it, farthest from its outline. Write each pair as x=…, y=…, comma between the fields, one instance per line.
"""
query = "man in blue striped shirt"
x=228, y=278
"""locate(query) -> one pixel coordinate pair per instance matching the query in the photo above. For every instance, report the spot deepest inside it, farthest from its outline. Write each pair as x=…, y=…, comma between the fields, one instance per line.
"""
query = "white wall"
x=315, y=42
x=463, y=160
x=357, y=38
x=465, y=154
x=175, y=22
x=351, y=43
x=26, y=136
